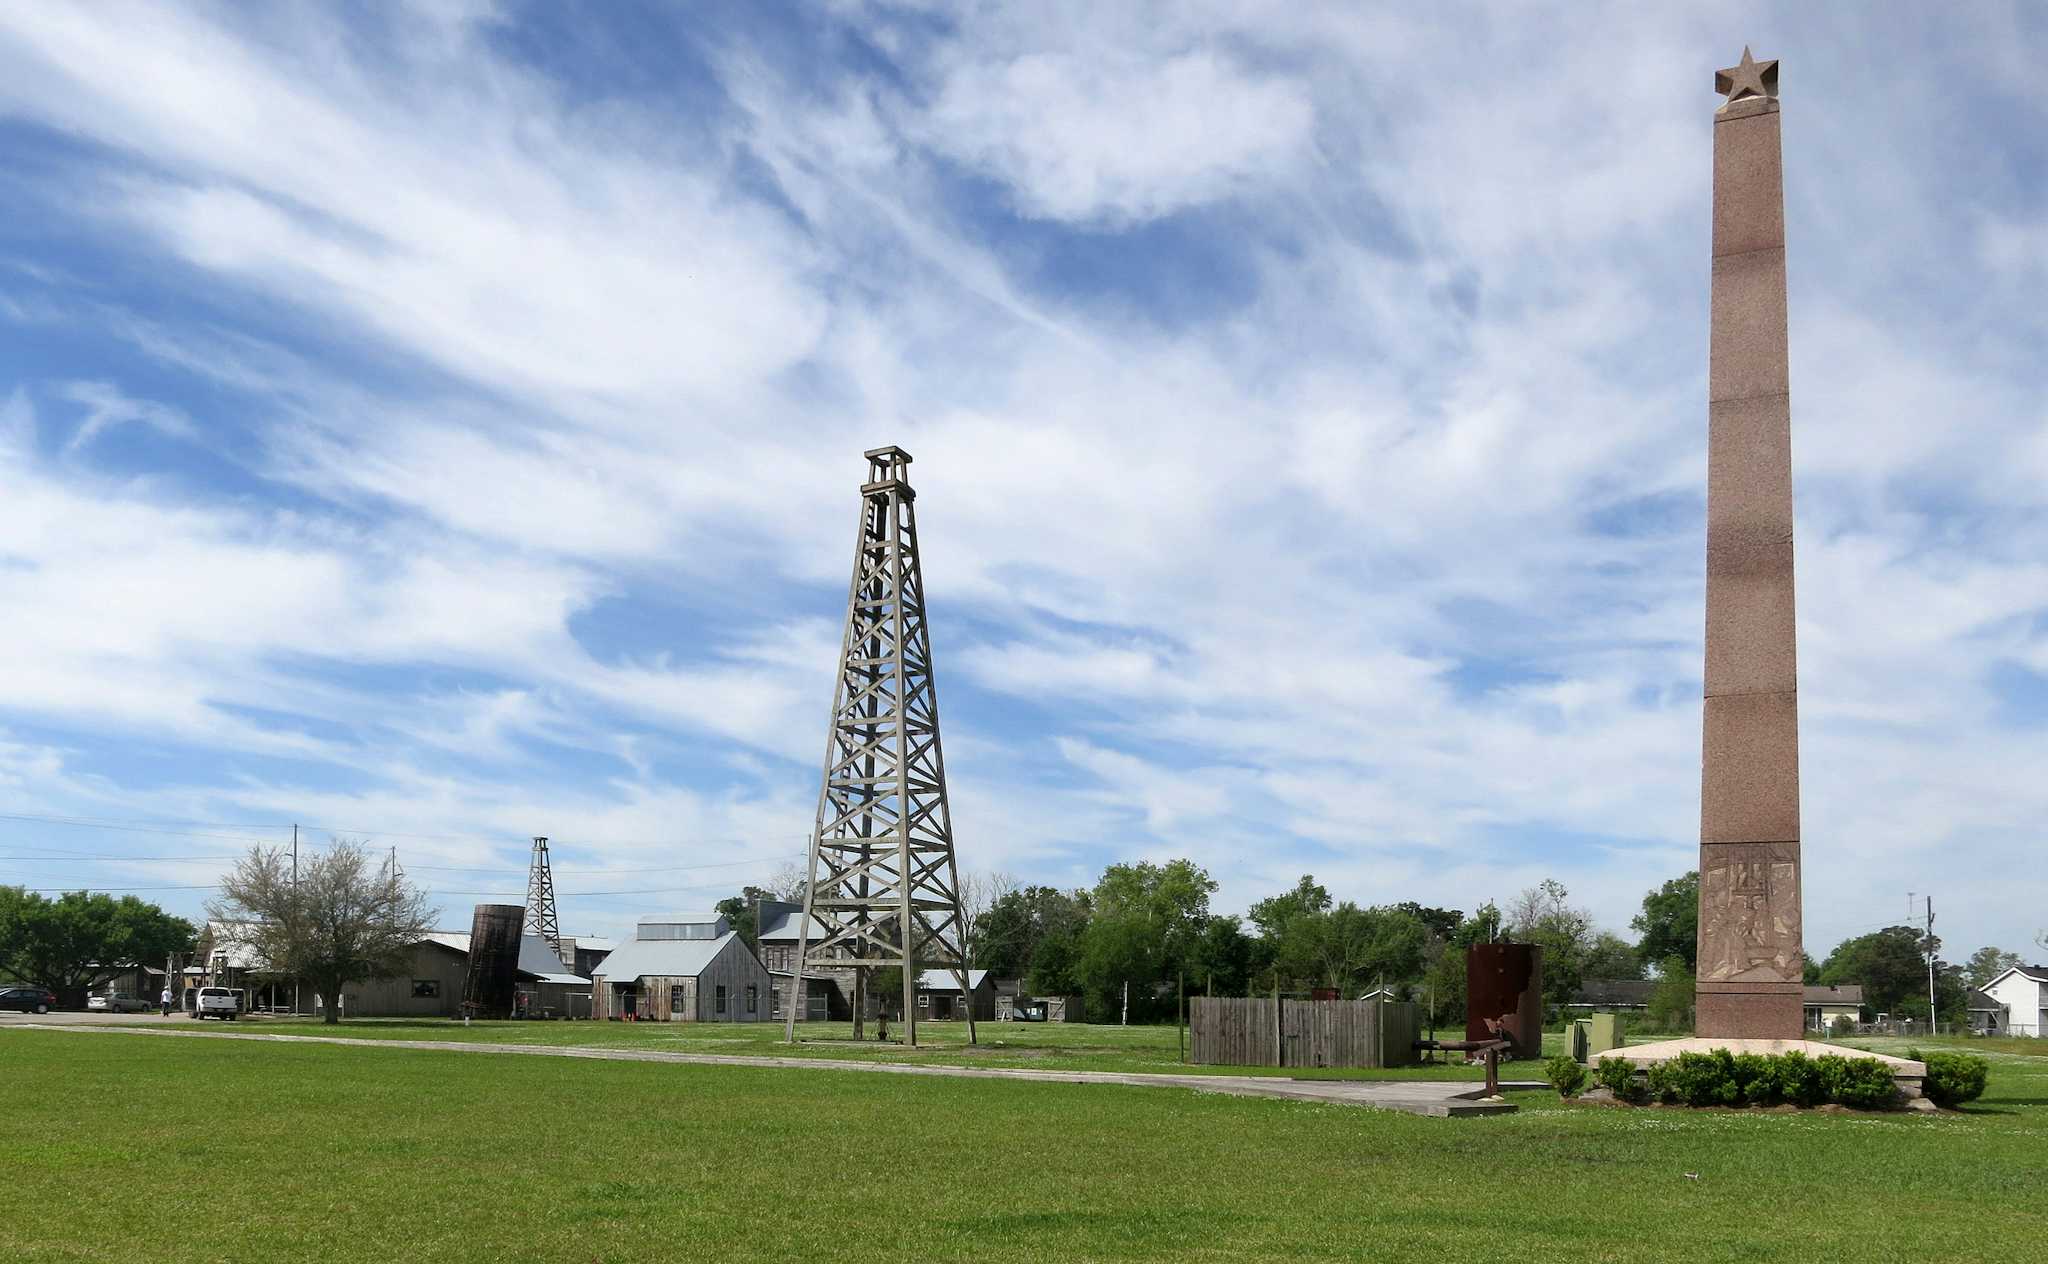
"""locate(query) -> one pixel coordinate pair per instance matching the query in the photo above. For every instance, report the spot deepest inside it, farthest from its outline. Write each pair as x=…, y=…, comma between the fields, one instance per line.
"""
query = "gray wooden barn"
x=686, y=968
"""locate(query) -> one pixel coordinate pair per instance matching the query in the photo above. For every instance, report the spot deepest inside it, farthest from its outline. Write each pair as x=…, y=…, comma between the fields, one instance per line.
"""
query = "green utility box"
x=1604, y=1033
x=1578, y=1035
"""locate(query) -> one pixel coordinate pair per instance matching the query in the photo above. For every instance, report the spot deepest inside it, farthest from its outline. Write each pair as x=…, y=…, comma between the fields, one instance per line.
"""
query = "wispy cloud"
x=1307, y=410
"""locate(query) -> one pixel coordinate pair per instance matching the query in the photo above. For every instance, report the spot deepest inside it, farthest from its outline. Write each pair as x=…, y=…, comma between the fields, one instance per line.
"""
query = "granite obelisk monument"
x=1751, y=967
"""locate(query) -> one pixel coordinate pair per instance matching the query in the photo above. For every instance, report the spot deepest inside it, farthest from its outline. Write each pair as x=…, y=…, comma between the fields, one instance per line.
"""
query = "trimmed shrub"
x=1798, y=1079
x=1756, y=1079
x=1833, y=1070
x=1867, y=1084
x=1566, y=1075
x=1954, y=1078
x=1618, y=1076
x=1717, y=1077
x=1658, y=1082
x=1700, y=1079
x=1842, y=1026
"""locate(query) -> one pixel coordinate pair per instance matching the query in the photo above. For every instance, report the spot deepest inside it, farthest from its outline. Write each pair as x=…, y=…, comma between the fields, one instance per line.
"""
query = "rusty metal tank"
x=489, y=990
x=1505, y=982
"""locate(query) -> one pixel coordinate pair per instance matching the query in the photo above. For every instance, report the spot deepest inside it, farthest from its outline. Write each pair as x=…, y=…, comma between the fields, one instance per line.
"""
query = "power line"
x=252, y=830
x=208, y=886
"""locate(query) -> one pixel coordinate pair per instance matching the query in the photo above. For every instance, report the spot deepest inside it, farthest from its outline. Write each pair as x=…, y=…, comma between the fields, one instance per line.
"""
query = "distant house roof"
x=704, y=926
x=1983, y=1001
x=943, y=980
x=590, y=943
x=225, y=942
x=2038, y=974
x=676, y=958
x=1834, y=994
x=543, y=963
x=1381, y=990
x=1620, y=993
x=535, y=957
x=705, y=916
x=783, y=927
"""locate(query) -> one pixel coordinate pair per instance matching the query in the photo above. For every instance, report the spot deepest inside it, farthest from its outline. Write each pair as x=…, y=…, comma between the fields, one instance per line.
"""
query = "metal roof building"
x=667, y=976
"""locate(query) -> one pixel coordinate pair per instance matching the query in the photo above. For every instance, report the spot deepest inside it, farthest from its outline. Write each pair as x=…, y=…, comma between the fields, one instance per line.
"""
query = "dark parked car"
x=29, y=1000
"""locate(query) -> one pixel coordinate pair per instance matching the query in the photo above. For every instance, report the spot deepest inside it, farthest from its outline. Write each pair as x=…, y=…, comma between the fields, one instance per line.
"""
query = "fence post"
x=1180, y=1022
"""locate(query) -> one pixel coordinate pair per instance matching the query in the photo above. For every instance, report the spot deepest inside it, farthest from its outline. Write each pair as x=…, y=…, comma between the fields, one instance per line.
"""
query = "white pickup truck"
x=217, y=1002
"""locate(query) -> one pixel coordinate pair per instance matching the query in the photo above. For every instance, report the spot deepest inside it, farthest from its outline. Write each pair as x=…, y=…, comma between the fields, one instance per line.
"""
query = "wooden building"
x=685, y=968
x=828, y=993
x=430, y=985
x=939, y=996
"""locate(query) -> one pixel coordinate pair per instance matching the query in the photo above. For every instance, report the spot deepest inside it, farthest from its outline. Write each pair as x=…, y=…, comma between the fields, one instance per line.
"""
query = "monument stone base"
x=1769, y=1015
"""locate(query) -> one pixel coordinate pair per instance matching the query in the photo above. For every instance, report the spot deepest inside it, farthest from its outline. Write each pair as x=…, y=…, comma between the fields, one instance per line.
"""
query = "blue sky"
x=442, y=424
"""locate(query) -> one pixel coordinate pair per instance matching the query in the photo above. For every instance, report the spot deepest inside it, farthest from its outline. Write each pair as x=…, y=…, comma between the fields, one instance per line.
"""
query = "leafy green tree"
x=1350, y=948
x=1441, y=923
x=1147, y=920
x=1007, y=937
x=72, y=942
x=1272, y=914
x=1669, y=925
x=1671, y=1001
x=740, y=911
x=1986, y=964
x=1483, y=927
x=1890, y=964
x=1056, y=961
x=1610, y=956
x=1544, y=915
x=1443, y=981
x=1221, y=964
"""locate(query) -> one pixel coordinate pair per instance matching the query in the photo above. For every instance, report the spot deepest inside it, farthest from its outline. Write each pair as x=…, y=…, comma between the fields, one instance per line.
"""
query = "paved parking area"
x=1415, y=1097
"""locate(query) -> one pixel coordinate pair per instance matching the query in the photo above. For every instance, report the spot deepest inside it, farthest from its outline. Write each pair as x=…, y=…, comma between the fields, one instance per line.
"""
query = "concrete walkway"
x=1416, y=1097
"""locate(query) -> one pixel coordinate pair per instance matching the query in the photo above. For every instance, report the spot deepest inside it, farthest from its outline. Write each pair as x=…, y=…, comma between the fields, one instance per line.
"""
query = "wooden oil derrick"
x=883, y=888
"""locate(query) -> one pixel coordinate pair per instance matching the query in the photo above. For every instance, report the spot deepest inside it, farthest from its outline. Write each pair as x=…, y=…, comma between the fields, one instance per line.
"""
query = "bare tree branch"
x=345, y=920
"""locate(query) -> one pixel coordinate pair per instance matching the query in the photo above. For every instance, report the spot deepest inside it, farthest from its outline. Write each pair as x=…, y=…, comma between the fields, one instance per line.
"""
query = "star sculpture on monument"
x=1748, y=78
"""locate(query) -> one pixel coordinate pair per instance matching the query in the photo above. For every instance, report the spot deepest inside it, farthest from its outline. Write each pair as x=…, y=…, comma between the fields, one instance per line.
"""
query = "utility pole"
x=295, y=891
x=1930, y=966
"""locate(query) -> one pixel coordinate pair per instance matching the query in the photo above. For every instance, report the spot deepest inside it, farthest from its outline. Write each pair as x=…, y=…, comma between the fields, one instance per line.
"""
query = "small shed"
x=939, y=996
x=673, y=972
x=547, y=987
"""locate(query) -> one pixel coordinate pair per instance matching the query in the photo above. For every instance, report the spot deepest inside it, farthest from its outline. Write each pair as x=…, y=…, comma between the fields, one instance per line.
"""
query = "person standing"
x=165, y=1000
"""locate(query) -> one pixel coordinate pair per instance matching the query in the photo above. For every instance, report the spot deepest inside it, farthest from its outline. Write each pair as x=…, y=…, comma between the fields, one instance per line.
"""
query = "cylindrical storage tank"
x=1505, y=981
x=488, y=991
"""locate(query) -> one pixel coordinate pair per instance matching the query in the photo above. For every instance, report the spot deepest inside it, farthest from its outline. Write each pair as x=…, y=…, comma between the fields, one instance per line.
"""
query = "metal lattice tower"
x=883, y=887
x=540, y=897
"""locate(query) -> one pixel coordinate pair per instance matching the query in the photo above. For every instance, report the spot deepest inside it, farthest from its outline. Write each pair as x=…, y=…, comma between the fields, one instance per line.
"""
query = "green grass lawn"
x=125, y=1147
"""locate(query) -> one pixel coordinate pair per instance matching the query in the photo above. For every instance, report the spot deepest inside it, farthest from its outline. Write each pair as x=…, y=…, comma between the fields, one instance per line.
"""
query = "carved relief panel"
x=1749, y=913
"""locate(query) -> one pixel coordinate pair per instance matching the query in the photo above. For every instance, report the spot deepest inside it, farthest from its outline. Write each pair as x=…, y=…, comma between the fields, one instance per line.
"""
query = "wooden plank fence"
x=1261, y=1031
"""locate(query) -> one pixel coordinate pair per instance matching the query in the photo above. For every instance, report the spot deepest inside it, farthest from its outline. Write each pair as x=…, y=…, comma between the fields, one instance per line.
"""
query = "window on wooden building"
x=721, y=998
x=753, y=999
x=426, y=987
x=676, y=1003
